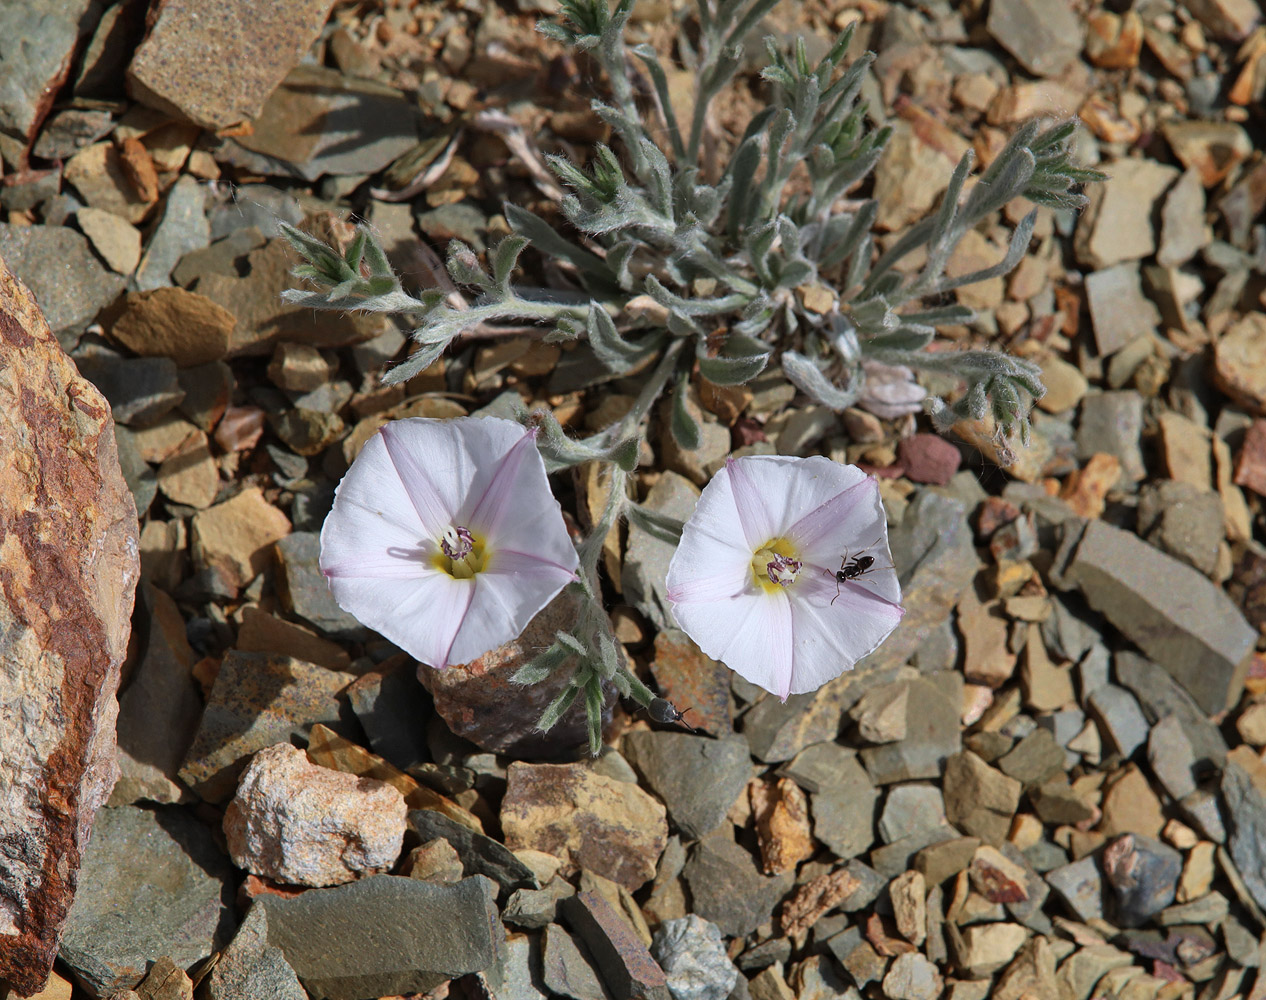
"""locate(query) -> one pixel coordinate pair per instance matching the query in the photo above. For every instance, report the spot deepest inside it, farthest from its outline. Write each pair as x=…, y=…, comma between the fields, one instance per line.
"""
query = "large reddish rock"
x=68, y=570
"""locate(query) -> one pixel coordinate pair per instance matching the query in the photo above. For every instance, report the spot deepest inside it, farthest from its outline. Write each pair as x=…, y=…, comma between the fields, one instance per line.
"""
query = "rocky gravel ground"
x=1048, y=784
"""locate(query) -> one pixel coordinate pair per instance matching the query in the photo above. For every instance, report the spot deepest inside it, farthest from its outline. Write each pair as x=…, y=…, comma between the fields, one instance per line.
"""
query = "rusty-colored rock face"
x=68, y=570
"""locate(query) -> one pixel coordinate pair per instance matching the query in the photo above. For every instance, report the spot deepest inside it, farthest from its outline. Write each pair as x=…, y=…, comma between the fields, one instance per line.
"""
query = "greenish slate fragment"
x=1173, y=613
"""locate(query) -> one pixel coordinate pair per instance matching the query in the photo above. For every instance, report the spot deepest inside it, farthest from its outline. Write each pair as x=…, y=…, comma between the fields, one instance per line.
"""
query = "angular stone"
x=190, y=476
x=1116, y=226
x=1232, y=19
x=627, y=966
x=1171, y=757
x=389, y=703
x=182, y=229
x=1143, y=874
x=480, y=702
x=1177, y=616
x=979, y=800
x=910, y=810
x=158, y=710
x=57, y=265
x=35, y=73
x=261, y=632
x=140, y=390
x=297, y=823
x=934, y=552
x=1119, y=311
x=1080, y=885
x=646, y=557
x=171, y=322
x=1239, y=360
x=781, y=813
x=1184, y=232
x=303, y=588
x=318, y=122
x=329, y=749
x=568, y=970
x=1186, y=522
x=914, y=169
x=698, y=778
x=843, y=805
x=1120, y=718
x=1244, y=792
x=257, y=700
x=932, y=732
x=165, y=982
x=986, y=948
x=688, y=676
x=480, y=855
x=1160, y=696
x=1130, y=806
x=728, y=889
x=68, y=535
x=250, y=968
x=115, y=239
x=1034, y=760
x=236, y=536
x=252, y=293
x=588, y=820
x=386, y=935
x=692, y=954
x=1111, y=423
x=913, y=977
x=153, y=883
x=1044, y=38
x=215, y=65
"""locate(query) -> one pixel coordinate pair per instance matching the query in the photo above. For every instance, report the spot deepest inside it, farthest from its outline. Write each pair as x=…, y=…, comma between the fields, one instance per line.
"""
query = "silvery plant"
x=683, y=267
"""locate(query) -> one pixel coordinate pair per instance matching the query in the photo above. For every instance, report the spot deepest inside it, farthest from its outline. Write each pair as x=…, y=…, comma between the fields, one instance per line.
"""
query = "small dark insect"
x=852, y=569
x=663, y=710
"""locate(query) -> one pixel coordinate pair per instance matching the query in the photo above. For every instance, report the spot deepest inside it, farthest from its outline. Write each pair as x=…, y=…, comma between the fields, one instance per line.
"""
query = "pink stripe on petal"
x=499, y=498
x=720, y=587
x=382, y=566
x=755, y=519
x=855, y=504
x=426, y=500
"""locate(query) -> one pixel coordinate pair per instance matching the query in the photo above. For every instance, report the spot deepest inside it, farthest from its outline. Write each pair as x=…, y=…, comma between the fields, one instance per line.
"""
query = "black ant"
x=663, y=710
x=852, y=569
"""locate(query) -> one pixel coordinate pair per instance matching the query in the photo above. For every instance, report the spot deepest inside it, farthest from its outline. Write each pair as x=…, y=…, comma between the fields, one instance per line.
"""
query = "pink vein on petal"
x=753, y=518
x=501, y=553
x=707, y=588
x=828, y=514
x=425, y=498
x=496, y=500
x=470, y=596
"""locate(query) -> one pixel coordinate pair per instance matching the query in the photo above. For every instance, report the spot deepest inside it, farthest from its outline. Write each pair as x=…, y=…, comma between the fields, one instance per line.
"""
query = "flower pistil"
x=462, y=555
x=775, y=564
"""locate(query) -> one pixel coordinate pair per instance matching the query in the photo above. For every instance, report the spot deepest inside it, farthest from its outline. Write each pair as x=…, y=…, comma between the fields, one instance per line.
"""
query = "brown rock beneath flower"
x=172, y=323
x=68, y=571
x=587, y=819
x=480, y=703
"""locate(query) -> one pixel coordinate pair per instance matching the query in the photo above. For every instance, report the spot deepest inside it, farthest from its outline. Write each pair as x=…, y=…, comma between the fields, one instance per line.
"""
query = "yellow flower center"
x=461, y=553
x=774, y=565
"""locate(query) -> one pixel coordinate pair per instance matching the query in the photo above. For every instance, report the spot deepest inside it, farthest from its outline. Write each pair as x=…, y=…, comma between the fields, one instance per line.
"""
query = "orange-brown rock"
x=68, y=570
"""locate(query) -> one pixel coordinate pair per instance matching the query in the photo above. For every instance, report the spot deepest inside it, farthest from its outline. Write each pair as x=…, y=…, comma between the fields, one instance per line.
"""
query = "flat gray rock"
x=1080, y=885
x=727, y=887
x=568, y=970
x=57, y=264
x=479, y=855
x=386, y=935
x=153, y=883
x=250, y=968
x=37, y=41
x=843, y=807
x=140, y=390
x=1112, y=422
x=646, y=558
x=1160, y=696
x=1120, y=718
x=933, y=733
x=1245, y=799
x=182, y=229
x=697, y=778
x=1177, y=616
x=304, y=590
x=1043, y=35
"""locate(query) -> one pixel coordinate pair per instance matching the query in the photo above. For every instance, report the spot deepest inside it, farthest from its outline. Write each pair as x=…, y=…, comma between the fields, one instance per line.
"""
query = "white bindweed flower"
x=445, y=537
x=783, y=572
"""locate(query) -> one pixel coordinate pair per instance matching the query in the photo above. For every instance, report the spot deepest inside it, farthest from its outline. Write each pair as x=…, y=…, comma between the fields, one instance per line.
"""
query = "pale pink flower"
x=783, y=572
x=445, y=537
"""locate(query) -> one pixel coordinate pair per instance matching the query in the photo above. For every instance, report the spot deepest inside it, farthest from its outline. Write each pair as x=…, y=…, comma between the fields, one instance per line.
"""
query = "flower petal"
x=508, y=595
x=831, y=638
x=517, y=511
x=423, y=615
x=414, y=449
x=751, y=634
x=778, y=490
x=849, y=524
